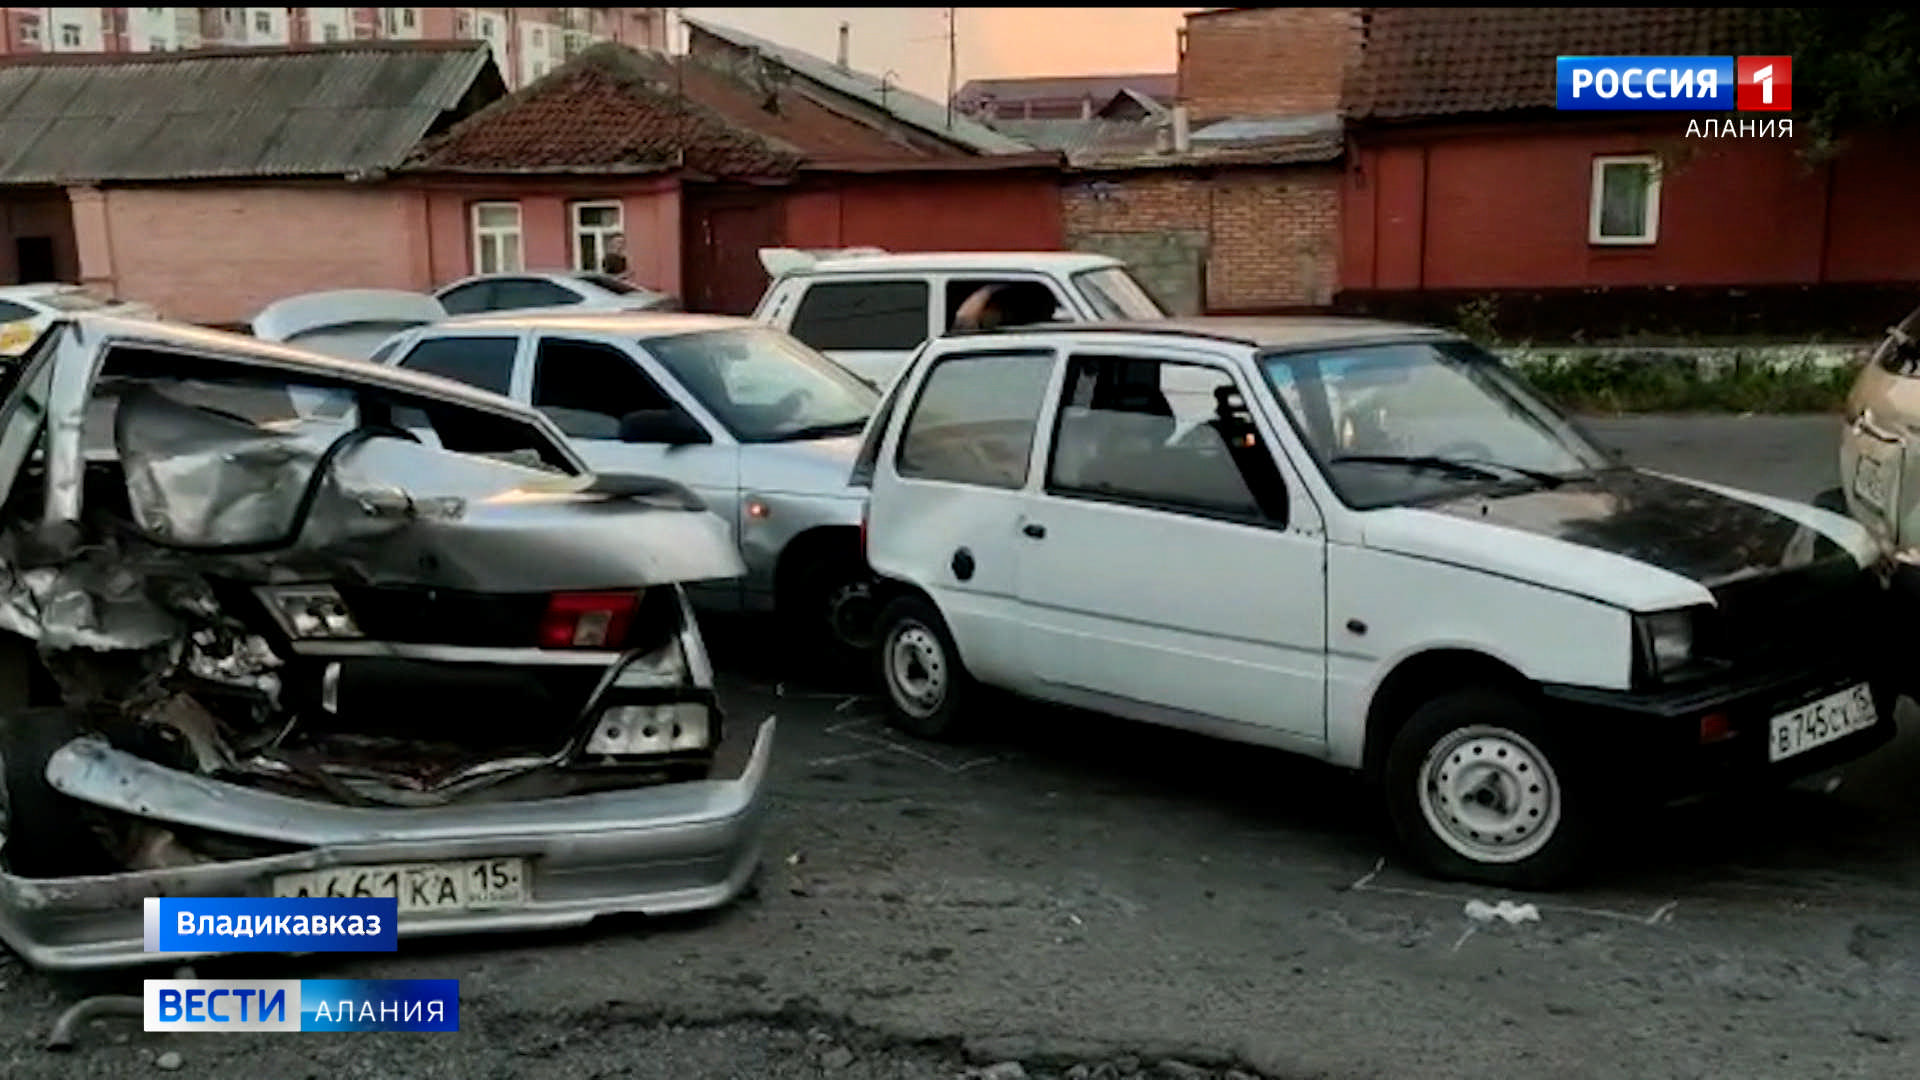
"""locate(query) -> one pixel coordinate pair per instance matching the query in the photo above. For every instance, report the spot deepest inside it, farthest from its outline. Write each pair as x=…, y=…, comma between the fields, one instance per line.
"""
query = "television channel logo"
x=225, y=1005
x=1689, y=83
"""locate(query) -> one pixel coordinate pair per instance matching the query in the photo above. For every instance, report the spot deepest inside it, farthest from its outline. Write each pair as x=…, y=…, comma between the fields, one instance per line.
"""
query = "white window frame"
x=30, y=32
x=408, y=20
x=1595, y=204
x=329, y=32
x=70, y=36
x=263, y=17
x=496, y=234
x=580, y=229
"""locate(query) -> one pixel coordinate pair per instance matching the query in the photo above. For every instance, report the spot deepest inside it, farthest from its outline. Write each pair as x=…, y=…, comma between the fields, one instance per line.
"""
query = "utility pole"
x=952, y=48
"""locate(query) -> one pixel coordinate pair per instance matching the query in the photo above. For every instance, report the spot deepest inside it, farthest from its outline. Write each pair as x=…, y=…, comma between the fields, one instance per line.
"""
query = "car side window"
x=1017, y=301
x=12, y=312
x=587, y=387
x=511, y=294
x=975, y=418
x=854, y=315
x=483, y=362
x=468, y=299
x=1165, y=435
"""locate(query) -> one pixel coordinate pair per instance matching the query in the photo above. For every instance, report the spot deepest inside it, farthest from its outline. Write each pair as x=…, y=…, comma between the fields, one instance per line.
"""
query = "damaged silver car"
x=276, y=624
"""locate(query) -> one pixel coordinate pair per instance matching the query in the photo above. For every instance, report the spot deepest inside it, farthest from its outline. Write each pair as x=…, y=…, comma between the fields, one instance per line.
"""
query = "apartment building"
x=527, y=42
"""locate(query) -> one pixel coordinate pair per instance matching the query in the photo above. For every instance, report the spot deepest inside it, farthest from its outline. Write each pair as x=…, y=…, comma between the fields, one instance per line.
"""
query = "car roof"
x=1064, y=262
x=627, y=324
x=245, y=349
x=1257, y=332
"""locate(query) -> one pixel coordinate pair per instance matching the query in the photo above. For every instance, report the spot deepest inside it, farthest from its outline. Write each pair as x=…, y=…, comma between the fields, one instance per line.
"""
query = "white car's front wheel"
x=1480, y=788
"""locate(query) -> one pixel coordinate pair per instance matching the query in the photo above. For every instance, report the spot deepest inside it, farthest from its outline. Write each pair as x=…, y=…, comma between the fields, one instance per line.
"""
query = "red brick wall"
x=1266, y=61
x=930, y=212
x=1443, y=212
x=1272, y=236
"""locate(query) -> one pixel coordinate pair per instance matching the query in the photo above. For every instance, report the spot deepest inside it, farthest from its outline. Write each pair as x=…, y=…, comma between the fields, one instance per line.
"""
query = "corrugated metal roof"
x=308, y=111
x=904, y=105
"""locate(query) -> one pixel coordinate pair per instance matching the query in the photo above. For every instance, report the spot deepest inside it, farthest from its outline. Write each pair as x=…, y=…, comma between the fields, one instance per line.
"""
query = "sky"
x=990, y=42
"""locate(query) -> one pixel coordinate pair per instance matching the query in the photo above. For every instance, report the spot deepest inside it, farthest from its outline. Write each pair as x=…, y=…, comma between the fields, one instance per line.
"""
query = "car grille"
x=1820, y=613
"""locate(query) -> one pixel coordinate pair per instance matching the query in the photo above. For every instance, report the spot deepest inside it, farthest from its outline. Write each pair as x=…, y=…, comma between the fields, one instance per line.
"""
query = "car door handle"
x=1038, y=532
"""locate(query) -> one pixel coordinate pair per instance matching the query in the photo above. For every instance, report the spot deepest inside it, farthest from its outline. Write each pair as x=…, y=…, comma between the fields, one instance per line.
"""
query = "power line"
x=953, y=35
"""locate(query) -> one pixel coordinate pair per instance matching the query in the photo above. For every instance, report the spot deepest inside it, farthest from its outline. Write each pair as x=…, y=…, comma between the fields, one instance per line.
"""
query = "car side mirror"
x=669, y=426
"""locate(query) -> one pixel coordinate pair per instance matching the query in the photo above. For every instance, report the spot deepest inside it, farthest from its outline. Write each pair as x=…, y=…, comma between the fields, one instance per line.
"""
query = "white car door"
x=1165, y=573
x=947, y=498
x=868, y=324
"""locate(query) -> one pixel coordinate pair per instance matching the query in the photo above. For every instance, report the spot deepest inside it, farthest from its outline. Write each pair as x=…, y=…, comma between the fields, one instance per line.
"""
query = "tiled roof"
x=1101, y=88
x=931, y=117
x=612, y=109
x=1435, y=61
x=323, y=110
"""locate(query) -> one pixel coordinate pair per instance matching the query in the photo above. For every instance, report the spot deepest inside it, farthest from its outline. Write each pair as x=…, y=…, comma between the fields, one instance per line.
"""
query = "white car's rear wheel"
x=925, y=682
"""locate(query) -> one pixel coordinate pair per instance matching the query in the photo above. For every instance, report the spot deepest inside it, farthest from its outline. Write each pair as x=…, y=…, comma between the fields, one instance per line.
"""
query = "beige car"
x=1879, y=485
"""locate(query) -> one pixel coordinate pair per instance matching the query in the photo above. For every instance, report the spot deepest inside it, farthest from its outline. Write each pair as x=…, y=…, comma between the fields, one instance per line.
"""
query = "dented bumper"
x=655, y=850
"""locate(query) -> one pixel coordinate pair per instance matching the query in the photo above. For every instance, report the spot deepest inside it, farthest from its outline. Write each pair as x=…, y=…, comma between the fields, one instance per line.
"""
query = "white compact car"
x=1368, y=543
x=549, y=291
x=26, y=310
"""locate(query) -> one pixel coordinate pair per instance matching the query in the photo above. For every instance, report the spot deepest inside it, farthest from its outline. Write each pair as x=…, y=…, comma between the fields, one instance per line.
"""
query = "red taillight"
x=1715, y=727
x=587, y=620
x=865, y=509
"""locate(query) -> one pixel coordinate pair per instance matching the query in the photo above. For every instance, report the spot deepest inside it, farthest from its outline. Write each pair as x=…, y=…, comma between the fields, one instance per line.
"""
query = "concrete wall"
x=219, y=253
x=1267, y=238
x=1444, y=210
x=1266, y=61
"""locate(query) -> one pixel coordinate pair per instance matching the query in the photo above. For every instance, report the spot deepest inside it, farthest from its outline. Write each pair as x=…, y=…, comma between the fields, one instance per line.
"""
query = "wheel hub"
x=1490, y=794
x=851, y=614
x=917, y=669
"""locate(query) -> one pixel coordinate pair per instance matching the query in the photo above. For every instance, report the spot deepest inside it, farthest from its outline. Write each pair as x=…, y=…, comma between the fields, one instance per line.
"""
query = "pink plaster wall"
x=218, y=254
x=650, y=213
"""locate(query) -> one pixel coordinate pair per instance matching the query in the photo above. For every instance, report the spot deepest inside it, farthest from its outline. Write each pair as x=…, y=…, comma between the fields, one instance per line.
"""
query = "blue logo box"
x=1691, y=83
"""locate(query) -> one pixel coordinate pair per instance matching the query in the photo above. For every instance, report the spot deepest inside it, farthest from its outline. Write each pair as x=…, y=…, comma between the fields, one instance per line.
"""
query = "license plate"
x=1873, y=483
x=450, y=886
x=1818, y=723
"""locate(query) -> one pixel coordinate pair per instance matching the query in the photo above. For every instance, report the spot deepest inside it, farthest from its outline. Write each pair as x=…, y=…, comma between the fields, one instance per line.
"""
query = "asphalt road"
x=1083, y=896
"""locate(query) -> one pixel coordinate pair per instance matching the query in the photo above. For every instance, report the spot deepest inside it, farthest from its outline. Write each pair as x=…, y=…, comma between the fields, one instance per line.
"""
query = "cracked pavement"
x=1074, y=895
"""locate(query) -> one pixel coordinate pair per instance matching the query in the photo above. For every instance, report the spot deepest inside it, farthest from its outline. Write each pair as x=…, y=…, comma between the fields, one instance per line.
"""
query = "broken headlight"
x=1665, y=640
x=310, y=612
x=625, y=730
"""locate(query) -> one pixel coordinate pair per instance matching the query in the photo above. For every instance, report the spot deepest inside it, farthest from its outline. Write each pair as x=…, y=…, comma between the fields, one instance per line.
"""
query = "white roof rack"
x=780, y=261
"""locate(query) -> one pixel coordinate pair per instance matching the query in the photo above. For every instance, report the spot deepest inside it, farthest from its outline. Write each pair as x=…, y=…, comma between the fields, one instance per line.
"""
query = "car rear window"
x=483, y=362
x=975, y=419
x=855, y=315
x=607, y=282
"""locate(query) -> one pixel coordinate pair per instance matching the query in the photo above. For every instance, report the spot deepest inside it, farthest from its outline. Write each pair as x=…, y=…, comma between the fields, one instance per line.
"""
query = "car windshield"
x=1413, y=421
x=764, y=386
x=608, y=282
x=75, y=299
x=1117, y=294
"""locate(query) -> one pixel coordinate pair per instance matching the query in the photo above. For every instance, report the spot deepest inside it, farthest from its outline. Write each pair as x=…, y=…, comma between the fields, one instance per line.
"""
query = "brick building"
x=1233, y=205
x=293, y=197
x=526, y=42
x=1464, y=182
x=703, y=160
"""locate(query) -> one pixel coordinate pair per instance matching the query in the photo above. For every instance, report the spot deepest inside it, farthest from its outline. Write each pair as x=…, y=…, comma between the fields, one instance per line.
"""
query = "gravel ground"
x=1072, y=895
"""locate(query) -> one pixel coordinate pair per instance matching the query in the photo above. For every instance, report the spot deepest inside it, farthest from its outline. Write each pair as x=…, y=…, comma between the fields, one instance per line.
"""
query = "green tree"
x=1853, y=68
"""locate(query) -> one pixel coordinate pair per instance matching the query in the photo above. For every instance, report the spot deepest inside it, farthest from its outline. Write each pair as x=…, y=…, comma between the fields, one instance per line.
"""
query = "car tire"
x=1832, y=499
x=46, y=837
x=925, y=684
x=829, y=607
x=1480, y=787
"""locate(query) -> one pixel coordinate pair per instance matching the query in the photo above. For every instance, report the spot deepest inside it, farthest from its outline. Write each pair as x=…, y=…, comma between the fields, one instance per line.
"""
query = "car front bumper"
x=653, y=850
x=1655, y=742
